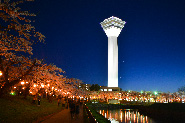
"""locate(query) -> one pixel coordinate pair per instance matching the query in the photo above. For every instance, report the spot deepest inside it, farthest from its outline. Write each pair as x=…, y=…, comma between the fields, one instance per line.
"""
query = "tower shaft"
x=112, y=61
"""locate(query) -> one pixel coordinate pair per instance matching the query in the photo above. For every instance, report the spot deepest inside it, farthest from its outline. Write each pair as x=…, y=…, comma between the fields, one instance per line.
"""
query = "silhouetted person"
x=34, y=99
x=72, y=108
x=77, y=108
x=39, y=99
x=59, y=101
x=63, y=103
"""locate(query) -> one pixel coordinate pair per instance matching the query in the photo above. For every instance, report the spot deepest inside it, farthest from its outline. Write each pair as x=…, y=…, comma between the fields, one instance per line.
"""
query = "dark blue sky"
x=151, y=46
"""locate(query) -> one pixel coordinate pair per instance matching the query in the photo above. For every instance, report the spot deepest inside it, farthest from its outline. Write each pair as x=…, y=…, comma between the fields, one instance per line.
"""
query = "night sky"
x=151, y=46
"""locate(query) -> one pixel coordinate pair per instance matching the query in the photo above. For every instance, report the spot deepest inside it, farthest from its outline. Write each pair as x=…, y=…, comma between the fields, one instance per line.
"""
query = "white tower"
x=112, y=27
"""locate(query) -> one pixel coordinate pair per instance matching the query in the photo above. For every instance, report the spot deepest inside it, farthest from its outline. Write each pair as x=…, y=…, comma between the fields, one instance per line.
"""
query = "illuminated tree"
x=48, y=77
x=16, y=66
x=17, y=37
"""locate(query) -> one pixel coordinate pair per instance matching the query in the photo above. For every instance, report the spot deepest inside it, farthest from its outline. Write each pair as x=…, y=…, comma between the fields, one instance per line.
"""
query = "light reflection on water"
x=125, y=116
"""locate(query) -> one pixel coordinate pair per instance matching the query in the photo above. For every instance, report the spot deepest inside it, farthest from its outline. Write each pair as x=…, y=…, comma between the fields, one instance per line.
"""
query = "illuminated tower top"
x=112, y=26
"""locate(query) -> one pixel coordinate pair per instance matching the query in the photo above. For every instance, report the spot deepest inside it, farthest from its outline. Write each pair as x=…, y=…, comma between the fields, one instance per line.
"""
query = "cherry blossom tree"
x=17, y=35
x=49, y=77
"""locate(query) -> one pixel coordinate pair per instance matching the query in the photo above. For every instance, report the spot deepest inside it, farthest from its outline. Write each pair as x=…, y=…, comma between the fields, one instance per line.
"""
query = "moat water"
x=125, y=116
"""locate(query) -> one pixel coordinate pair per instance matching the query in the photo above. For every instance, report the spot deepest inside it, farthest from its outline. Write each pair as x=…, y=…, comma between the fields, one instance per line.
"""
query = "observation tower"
x=112, y=27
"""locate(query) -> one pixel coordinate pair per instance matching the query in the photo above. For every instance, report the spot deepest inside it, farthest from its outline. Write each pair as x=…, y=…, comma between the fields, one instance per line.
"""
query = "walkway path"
x=65, y=117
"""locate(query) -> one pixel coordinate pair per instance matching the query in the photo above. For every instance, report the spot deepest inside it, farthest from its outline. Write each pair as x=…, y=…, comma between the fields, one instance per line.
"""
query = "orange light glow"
x=1, y=73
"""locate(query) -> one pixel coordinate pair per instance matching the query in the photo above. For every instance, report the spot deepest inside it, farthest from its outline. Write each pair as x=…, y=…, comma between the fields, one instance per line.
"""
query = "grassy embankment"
x=16, y=109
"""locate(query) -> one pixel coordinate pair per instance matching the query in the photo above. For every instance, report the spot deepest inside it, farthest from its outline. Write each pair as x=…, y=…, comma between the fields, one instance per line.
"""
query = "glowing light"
x=12, y=93
x=22, y=83
x=14, y=87
x=34, y=85
x=1, y=73
x=26, y=82
x=42, y=86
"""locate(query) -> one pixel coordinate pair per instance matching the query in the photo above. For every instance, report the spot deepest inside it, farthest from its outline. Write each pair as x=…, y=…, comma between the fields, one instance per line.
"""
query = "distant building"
x=104, y=88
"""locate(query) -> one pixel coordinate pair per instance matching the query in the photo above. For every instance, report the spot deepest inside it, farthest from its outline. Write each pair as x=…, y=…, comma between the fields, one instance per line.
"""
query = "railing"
x=90, y=116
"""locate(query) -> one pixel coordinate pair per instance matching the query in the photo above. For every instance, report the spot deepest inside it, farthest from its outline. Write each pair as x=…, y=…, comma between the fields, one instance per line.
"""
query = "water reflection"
x=125, y=116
